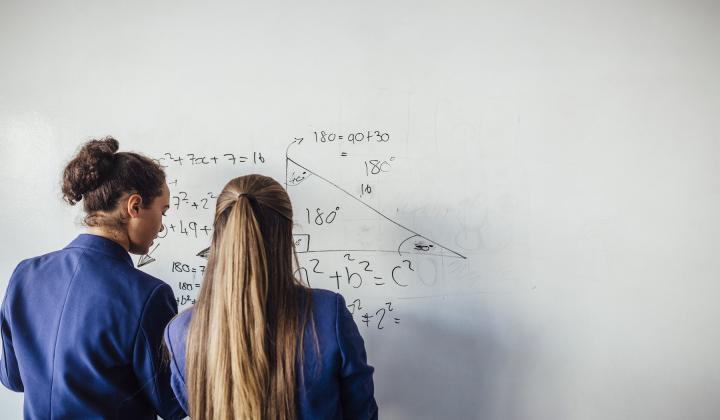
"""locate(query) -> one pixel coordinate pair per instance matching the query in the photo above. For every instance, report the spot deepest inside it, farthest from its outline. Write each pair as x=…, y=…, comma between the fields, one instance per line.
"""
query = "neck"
x=113, y=235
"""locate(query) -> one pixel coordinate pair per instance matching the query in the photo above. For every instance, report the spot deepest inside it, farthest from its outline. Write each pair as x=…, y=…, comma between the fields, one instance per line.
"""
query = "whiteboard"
x=522, y=197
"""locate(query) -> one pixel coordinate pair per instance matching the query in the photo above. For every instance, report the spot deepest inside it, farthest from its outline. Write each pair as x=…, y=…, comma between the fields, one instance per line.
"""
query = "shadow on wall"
x=441, y=372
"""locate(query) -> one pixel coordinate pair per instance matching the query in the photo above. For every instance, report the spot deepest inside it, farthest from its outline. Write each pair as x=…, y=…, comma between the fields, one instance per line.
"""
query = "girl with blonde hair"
x=258, y=344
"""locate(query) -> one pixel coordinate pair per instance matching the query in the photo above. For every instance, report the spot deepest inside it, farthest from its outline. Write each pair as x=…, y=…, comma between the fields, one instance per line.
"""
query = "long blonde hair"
x=247, y=328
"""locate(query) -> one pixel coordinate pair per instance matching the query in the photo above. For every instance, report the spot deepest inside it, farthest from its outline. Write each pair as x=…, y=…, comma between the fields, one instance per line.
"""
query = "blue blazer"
x=82, y=335
x=342, y=387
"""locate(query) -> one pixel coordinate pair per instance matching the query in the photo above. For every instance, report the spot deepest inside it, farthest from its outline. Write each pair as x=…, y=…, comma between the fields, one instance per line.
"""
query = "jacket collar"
x=102, y=245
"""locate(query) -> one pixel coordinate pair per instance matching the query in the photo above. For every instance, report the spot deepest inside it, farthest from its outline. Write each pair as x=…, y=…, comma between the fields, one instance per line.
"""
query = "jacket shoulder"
x=24, y=269
x=324, y=297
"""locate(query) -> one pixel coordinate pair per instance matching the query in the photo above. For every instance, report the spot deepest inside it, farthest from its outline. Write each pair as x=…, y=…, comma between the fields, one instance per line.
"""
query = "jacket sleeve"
x=177, y=381
x=356, y=381
x=9, y=371
x=150, y=360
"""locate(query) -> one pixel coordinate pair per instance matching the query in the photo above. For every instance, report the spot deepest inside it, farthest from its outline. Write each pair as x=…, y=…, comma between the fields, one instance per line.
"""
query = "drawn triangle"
x=336, y=220
x=147, y=259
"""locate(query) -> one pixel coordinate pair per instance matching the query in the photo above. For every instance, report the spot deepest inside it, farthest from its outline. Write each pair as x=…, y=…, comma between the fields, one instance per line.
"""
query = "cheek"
x=157, y=223
x=149, y=227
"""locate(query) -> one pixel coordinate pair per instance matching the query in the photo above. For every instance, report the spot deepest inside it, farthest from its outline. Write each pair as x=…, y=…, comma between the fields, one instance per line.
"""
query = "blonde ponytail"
x=242, y=344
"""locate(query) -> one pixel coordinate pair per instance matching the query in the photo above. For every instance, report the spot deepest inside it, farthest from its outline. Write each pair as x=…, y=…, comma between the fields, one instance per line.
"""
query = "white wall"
x=568, y=150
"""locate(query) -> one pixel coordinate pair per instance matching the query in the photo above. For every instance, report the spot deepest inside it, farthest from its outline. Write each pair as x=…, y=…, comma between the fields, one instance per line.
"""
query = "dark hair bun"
x=87, y=171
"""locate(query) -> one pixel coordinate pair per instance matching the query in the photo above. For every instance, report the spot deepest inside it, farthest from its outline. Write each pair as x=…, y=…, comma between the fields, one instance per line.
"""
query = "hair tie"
x=254, y=203
x=249, y=196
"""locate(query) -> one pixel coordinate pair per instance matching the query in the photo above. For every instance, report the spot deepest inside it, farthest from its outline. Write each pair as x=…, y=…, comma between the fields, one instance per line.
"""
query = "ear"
x=134, y=204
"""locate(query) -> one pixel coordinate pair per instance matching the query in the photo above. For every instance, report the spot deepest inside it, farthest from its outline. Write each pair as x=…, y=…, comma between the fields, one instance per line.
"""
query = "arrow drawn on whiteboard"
x=147, y=259
x=204, y=253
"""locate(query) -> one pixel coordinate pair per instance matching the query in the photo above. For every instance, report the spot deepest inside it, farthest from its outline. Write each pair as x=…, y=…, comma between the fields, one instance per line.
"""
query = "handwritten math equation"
x=377, y=317
x=190, y=281
x=357, y=272
x=168, y=159
x=371, y=277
